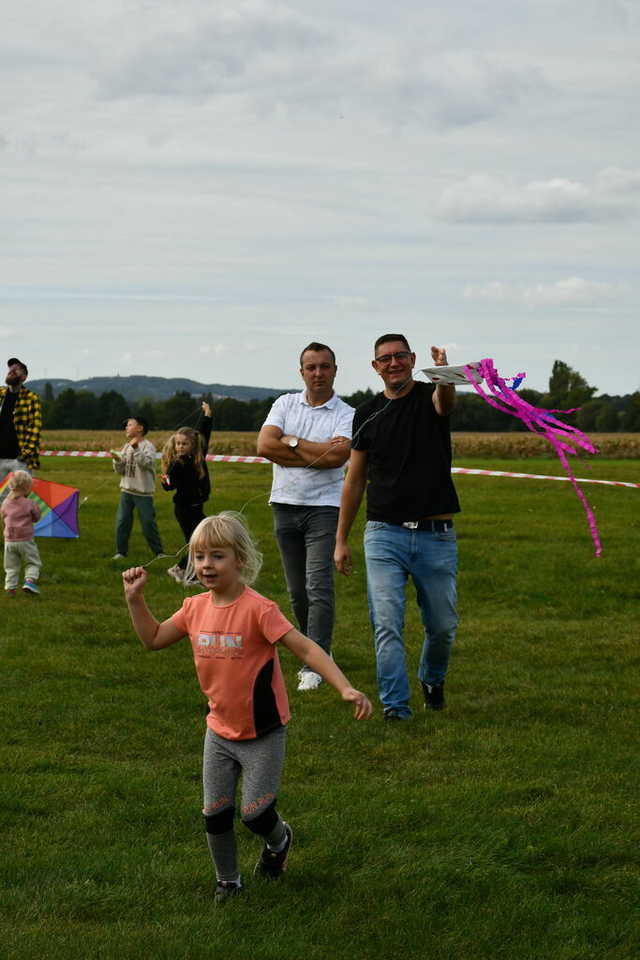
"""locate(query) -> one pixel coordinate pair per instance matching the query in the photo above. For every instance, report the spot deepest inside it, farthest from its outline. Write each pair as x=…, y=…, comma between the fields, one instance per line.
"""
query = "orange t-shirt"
x=237, y=663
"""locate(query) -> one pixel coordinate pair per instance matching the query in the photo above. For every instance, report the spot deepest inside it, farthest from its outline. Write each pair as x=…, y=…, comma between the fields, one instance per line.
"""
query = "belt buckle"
x=411, y=524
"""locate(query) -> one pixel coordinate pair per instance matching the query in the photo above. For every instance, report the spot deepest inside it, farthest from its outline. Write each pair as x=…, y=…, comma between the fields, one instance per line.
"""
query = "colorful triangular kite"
x=58, y=507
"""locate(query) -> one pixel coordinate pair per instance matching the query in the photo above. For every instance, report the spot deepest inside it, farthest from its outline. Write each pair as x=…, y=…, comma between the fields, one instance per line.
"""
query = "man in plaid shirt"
x=20, y=422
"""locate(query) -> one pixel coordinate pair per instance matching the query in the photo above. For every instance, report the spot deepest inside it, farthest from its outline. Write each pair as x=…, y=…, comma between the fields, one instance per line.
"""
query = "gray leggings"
x=259, y=761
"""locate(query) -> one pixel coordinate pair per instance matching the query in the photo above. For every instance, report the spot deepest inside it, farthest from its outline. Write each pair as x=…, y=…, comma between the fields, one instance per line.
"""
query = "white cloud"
x=348, y=301
x=217, y=349
x=187, y=174
x=572, y=292
x=492, y=292
x=218, y=52
x=614, y=180
x=261, y=59
x=482, y=198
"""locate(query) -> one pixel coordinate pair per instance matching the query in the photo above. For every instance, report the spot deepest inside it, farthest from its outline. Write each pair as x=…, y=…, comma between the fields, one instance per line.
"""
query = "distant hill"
x=155, y=388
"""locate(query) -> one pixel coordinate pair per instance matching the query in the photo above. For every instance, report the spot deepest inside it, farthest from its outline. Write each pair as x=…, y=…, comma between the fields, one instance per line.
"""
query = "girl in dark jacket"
x=184, y=469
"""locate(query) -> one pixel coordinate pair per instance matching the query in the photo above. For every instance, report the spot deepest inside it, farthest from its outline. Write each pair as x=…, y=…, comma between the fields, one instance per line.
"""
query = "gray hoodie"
x=138, y=468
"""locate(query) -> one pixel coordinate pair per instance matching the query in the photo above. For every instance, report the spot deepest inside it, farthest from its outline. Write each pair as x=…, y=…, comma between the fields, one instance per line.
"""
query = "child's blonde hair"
x=169, y=455
x=228, y=529
x=20, y=484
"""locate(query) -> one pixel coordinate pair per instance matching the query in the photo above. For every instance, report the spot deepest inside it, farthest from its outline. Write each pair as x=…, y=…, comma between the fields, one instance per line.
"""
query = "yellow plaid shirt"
x=27, y=420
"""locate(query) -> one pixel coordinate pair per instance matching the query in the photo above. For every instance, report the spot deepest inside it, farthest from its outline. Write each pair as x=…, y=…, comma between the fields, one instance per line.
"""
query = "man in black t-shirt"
x=401, y=453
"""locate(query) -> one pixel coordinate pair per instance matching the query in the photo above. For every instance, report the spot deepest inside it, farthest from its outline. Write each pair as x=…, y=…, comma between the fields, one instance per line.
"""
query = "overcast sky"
x=198, y=189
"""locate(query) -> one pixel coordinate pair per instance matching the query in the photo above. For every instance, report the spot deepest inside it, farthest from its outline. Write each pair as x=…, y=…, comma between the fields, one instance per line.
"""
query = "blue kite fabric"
x=58, y=507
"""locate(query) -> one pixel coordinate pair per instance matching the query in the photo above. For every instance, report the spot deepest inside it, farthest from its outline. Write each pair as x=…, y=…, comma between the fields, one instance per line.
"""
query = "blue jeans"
x=124, y=521
x=392, y=554
x=306, y=537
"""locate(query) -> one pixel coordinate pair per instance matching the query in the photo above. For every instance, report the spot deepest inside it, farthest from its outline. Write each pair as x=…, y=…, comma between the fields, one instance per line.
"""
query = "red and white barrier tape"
x=228, y=458
x=105, y=455
x=541, y=476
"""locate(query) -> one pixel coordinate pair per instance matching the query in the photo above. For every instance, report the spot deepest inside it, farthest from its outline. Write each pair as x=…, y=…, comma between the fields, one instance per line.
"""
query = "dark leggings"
x=188, y=516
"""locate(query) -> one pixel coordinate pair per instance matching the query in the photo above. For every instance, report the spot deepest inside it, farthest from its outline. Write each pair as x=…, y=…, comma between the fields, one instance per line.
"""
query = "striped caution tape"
x=541, y=476
x=465, y=471
x=105, y=455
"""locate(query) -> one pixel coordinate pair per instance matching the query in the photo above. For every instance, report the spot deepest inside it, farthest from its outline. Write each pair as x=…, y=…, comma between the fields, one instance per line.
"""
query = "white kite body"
x=451, y=374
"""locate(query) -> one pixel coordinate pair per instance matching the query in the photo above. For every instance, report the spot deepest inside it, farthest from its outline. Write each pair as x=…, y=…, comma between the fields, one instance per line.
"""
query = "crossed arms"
x=326, y=455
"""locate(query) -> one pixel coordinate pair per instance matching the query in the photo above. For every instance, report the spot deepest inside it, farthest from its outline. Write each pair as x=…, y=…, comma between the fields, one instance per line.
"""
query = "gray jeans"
x=306, y=537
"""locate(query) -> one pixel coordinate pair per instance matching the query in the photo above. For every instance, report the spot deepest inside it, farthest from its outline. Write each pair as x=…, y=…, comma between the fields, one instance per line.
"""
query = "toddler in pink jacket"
x=19, y=514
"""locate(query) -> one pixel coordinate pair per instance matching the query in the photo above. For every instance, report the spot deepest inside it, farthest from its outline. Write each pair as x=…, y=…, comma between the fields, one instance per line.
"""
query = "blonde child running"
x=184, y=469
x=19, y=514
x=233, y=632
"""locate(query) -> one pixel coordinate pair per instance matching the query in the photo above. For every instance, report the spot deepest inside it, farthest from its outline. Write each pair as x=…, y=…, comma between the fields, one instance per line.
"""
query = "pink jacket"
x=19, y=515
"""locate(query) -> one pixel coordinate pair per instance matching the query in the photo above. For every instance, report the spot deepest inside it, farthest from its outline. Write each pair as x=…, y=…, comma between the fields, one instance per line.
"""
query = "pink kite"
x=563, y=437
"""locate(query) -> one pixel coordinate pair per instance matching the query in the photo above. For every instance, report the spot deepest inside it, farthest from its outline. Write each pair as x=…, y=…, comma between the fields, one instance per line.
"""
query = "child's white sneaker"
x=176, y=573
x=309, y=680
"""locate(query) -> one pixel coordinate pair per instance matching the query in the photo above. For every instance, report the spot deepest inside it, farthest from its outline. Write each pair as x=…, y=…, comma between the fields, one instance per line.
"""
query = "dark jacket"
x=190, y=488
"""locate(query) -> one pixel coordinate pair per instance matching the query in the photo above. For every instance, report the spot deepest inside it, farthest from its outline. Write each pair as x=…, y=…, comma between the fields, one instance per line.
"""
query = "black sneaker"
x=434, y=696
x=226, y=890
x=271, y=863
x=392, y=714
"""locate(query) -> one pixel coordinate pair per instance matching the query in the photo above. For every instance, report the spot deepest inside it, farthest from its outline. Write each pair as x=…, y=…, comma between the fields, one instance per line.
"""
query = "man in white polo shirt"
x=308, y=437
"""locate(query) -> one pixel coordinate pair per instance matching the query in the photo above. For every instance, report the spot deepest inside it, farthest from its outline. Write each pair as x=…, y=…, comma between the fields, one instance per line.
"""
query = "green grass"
x=505, y=827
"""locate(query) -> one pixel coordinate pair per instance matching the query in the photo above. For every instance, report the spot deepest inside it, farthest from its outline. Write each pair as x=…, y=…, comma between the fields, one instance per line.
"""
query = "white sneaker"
x=118, y=556
x=176, y=573
x=309, y=680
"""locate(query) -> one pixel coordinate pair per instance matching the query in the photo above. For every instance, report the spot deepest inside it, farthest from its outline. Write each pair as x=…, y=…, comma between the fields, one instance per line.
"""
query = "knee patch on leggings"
x=264, y=822
x=219, y=822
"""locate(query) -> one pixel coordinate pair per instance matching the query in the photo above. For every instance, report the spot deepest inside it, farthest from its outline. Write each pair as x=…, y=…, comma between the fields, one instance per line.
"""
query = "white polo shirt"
x=309, y=486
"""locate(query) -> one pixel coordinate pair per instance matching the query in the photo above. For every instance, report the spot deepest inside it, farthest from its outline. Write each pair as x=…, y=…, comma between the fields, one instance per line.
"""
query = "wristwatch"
x=293, y=442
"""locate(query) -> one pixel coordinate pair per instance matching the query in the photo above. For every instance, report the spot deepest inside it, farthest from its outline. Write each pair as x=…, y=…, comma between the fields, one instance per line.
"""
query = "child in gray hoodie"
x=136, y=463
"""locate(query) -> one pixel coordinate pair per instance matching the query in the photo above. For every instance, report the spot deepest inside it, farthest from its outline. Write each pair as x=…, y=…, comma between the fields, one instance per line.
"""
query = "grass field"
x=505, y=827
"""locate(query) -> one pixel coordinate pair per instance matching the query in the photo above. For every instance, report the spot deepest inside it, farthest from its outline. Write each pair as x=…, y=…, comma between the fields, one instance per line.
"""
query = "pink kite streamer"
x=562, y=436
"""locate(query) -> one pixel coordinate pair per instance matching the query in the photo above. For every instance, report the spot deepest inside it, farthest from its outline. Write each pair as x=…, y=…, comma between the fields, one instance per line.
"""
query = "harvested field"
x=617, y=446
x=238, y=443
x=516, y=445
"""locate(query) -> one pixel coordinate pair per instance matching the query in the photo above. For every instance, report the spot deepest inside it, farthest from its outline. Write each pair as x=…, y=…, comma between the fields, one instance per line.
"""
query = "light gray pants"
x=17, y=553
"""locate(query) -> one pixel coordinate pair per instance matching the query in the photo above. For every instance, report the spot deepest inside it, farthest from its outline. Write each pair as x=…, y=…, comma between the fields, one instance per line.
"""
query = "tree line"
x=83, y=410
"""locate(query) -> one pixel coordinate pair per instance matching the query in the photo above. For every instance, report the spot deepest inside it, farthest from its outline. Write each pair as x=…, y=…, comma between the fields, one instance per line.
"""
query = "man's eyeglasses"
x=400, y=355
